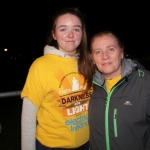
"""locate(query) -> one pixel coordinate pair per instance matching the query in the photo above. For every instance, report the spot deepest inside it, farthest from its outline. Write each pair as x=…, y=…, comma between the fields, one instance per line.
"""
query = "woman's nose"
x=105, y=55
x=70, y=34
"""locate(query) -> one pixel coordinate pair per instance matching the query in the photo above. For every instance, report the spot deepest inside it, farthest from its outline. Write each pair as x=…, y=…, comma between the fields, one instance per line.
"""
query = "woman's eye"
x=62, y=29
x=98, y=52
x=111, y=49
x=77, y=30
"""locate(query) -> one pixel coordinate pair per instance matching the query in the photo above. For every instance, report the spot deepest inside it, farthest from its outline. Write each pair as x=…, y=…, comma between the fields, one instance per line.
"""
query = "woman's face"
x=68, y=33
x=107, y=55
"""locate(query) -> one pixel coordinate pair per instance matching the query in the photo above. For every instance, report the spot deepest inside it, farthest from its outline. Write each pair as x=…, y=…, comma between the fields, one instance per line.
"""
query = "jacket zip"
x=115, y=123
x=107, y=110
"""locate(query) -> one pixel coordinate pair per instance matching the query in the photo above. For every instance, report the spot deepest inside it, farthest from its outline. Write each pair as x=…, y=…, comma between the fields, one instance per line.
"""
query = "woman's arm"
x=28, y=125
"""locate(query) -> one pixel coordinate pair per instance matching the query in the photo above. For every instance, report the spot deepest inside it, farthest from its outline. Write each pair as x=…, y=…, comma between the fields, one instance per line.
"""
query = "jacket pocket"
x=115, y=123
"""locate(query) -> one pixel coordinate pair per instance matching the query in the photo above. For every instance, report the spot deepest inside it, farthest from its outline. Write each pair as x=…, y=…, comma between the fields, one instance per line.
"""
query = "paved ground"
x=12, y=78
x=10, y=118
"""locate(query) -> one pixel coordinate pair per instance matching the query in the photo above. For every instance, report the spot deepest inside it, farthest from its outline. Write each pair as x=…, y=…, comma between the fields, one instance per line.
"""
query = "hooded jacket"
x=120, y=120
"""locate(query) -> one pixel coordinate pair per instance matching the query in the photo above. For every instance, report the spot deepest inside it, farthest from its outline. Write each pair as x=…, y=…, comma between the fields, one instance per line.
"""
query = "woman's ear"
x=122, y=54
x=91, y=58
x=53, y=34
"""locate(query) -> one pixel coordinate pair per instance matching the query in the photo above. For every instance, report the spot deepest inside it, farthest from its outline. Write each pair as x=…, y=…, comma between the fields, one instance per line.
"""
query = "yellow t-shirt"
x=112, y=82
x=54, y=85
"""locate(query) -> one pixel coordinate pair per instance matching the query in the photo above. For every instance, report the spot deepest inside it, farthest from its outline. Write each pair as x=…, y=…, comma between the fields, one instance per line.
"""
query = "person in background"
x=55, y=106
x=119, y=108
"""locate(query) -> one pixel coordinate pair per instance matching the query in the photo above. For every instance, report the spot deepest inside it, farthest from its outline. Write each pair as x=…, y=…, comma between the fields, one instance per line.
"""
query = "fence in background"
x=10, y=94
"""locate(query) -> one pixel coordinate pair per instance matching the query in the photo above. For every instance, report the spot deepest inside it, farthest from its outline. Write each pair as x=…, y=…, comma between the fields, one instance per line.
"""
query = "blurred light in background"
x=5, y=49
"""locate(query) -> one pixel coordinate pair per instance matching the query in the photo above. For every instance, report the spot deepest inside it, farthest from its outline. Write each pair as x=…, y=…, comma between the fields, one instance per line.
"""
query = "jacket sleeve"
x=28, y=125
x=148, y=110
x=147, y=147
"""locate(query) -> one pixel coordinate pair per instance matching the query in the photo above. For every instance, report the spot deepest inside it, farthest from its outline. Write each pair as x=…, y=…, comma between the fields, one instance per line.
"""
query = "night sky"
x=24, y=25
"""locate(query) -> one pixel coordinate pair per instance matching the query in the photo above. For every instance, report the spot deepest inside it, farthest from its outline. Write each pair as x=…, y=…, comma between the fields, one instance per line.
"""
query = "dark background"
x=23, y=29
x=24, y=25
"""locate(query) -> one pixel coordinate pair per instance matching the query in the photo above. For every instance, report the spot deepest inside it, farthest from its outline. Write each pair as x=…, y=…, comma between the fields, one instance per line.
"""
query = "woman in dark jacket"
x=119, y=109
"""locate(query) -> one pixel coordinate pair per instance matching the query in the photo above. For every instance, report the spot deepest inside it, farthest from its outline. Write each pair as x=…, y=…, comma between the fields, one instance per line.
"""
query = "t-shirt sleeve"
x=35, y=84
